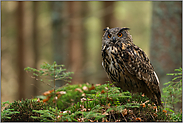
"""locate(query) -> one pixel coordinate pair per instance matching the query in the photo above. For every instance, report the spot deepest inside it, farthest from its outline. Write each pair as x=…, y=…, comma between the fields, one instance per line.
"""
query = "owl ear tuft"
x=124, y=28
x=107, y=28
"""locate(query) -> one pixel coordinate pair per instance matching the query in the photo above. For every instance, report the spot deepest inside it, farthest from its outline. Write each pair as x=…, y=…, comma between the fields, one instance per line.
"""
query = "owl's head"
x=116, y=35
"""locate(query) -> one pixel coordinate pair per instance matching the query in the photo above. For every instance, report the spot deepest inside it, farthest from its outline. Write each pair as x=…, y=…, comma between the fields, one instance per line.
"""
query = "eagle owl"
x=127, y=66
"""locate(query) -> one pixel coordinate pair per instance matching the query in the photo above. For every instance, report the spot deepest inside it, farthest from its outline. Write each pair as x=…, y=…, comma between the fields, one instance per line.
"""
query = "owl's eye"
x=109, y=36
x=120, y=34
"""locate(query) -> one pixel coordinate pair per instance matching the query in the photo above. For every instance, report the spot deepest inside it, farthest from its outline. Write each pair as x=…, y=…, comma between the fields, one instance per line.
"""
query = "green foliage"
x=172, y=95
x=22, y=110
x=32, y=110
x=90, y=103
x=107, y=103
x=48, y=115
x=50, y=73
x=70, y=96
x=5, y=114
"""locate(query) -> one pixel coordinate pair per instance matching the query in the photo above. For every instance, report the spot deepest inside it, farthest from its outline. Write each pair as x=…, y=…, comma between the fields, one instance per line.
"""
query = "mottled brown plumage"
x=127, y=66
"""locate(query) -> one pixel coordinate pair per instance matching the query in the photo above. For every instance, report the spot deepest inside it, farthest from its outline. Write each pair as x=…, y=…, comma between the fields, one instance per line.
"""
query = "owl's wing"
x=138, y=64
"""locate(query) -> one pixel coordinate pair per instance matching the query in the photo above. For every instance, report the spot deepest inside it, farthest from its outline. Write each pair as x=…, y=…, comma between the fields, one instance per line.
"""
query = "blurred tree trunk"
x=20, y=52
x=166, y=39
x=59, y=34
x=75, y=41
x=35, y=44
x=109, y=19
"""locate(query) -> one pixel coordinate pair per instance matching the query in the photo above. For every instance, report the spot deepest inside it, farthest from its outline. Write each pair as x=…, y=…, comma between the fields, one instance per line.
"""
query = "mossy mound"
x=87, y=103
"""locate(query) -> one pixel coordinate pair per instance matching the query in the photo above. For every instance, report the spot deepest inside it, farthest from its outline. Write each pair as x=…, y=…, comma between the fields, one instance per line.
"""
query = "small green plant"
x=51, y=73
x=172, y=95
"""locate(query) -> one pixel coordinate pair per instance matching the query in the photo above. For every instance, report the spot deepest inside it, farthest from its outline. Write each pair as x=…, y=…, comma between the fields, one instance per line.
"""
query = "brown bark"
x=35, y=43
x=109, y=19
x=20, y=43
x=75, y=41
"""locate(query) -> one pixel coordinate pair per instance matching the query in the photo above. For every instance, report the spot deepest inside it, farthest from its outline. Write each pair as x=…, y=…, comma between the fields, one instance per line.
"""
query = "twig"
x=124, y=117
x=55, y=95
x=109, y=117
x=152, y=116
x=42, y=81
x=114, y=117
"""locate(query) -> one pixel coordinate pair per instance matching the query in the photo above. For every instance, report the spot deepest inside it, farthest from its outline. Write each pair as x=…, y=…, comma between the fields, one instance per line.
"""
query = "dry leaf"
x=110, y=99
x=84, y=109
x=83, y=95
x=85, y=88
x=155, y=114
x=83, y=99
x=78, y=89
x=47, y=92
x=154, y=107
x=125, y=112
x=102, y=92
x=164, y=111
x=59, y=95
x=149, y=105
x=105, y=113
x=146, y=101
x=97, y=84
x=138, y=119
x=38, y=100
x=61, y=92
x=143, y=105
x=45, y=100
x=92, y=87
x=82, y=106
x=109, y=104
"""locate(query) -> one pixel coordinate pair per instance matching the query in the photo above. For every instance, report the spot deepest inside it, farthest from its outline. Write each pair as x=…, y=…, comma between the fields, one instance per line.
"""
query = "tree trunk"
x=109, y=19
x=166, y=41
x=20, y=43
x=75, y=59
x=35, y=44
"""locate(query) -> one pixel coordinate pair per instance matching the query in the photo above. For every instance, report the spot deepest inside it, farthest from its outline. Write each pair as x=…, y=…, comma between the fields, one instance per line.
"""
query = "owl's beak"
x=113, y=39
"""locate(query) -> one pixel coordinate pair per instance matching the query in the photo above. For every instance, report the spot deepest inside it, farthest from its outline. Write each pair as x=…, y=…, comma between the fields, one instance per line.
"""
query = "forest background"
x=70, y=33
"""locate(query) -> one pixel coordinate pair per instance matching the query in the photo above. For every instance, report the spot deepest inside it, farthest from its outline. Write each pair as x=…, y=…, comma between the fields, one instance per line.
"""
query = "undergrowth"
x=172, y=95
x=85, y=103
